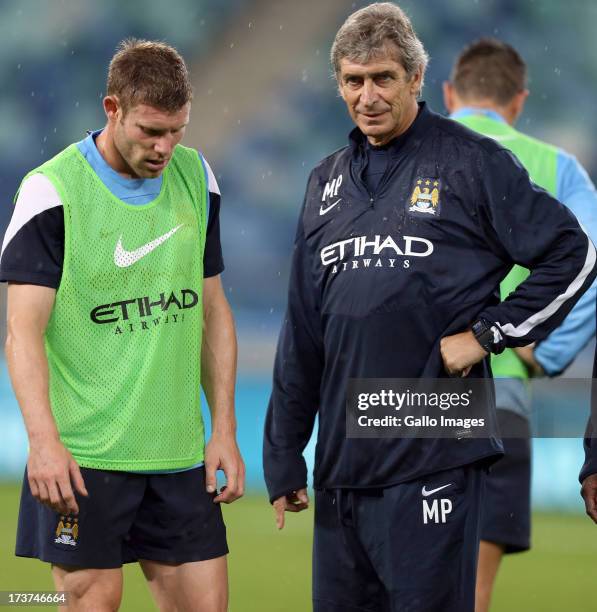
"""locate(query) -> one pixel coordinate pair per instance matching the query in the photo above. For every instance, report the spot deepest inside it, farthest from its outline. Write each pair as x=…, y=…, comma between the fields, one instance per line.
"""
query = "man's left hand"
x=221, y=453
x=589, y=494
x=460, y=352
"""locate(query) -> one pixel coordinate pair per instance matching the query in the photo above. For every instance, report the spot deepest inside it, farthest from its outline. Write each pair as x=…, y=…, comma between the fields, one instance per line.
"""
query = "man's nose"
x=163, y=145
x=368, y=93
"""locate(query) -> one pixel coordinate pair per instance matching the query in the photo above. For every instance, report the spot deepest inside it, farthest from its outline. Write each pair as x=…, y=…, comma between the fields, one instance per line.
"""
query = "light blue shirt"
x=575, y=189
x=129, y=190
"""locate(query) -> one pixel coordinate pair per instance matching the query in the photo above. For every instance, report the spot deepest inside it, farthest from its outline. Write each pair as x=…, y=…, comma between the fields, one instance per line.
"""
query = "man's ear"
x=517, y=104
x=415, y=82
x=449, y=96
x=112, y=108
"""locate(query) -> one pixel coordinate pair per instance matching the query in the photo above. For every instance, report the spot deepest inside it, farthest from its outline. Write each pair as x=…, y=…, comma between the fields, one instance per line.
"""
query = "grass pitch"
x=270, y=571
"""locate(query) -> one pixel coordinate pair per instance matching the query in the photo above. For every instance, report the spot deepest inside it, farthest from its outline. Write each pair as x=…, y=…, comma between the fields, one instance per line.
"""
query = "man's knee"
x=198, y=585
x=93, y=589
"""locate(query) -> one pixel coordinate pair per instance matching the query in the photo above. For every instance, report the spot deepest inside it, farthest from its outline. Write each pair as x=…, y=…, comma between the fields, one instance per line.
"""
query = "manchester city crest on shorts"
x=67, y=531
x=424, y=199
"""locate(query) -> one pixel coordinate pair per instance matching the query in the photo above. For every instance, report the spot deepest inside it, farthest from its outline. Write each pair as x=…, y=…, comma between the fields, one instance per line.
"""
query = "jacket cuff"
x=492, y=316
x=590, y=465
x=284, y=473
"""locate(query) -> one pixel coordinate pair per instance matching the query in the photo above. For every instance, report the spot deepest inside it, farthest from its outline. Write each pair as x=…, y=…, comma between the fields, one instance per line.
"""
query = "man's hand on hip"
x=460, y=352
x=589, y=494
x=294, y=502
x=52, y=473
x=221, y=453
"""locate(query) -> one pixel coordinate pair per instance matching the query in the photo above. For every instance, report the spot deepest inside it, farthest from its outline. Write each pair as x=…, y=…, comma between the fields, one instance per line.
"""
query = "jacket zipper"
x=382, y=182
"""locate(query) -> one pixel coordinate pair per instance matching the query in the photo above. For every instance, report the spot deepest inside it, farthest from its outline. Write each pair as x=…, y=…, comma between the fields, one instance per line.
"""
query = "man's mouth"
x=372, y=115
x=156, y=164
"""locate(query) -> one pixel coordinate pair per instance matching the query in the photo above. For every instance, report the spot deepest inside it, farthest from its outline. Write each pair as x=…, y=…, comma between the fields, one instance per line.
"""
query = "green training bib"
x=540, y=161
x=124, y=338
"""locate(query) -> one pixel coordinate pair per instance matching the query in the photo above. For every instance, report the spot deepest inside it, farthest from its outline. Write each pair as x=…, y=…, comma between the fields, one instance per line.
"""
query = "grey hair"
x=366, y=33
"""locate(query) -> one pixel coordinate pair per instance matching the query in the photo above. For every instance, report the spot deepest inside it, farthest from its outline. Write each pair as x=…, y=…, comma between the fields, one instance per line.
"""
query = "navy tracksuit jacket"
x=379, y=278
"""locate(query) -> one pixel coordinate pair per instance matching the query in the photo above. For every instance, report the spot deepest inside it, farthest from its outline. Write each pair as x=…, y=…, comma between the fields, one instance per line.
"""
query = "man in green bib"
x=116, y=318
x=487, y=92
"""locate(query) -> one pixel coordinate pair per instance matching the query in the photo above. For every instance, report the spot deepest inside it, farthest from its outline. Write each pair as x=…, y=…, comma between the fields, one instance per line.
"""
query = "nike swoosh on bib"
x=124, y=258
x=427, y=493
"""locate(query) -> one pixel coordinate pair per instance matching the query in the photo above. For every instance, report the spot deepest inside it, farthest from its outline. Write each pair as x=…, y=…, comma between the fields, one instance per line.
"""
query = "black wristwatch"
x=489, y=336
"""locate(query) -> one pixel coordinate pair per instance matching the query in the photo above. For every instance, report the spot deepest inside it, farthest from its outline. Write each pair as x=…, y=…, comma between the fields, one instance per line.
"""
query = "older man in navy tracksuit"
x=403, y=239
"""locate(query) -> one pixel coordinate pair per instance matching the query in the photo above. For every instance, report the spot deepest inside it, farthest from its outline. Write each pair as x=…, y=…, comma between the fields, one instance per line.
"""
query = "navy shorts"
x=161, y=517
x=506, y=510
x=412, y=547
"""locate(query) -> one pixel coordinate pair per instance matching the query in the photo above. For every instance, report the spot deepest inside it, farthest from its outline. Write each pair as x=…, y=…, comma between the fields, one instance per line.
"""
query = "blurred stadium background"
x=265, y=111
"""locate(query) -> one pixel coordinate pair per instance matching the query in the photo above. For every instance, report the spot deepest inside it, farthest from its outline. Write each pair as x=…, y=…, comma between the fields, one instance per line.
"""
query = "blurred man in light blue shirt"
x=487, y=93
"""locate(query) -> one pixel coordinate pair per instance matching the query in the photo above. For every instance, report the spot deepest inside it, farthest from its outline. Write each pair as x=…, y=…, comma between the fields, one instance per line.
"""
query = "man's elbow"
x=14, y=338
x=9, y=344
x=22, y=331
